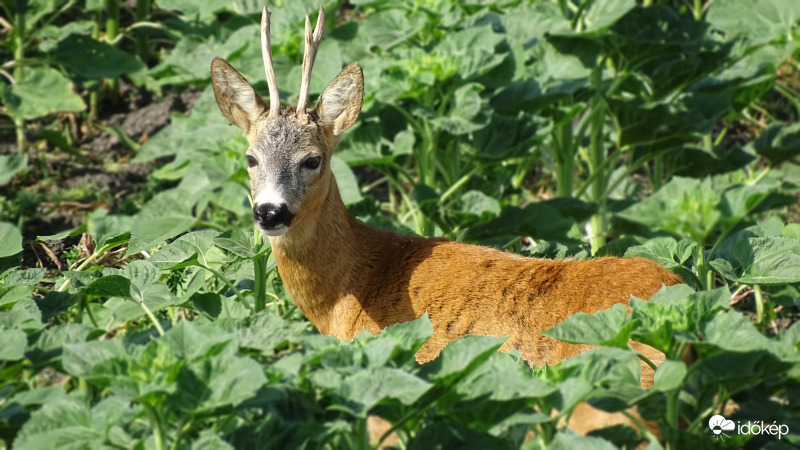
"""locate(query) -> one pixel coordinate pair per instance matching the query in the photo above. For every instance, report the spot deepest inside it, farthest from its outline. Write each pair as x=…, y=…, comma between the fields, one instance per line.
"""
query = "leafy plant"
x=665, y=130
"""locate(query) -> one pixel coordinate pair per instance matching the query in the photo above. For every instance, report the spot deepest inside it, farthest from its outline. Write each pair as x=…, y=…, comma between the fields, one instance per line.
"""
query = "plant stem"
x=141, y=13
x=228, y=284
x=152, y=317
x=155, y=423
x=596, y=160
x=260, y=274
x=565, y=158
x=19, y=55
x=85, y=306
x=112, y=30
x=759, y=303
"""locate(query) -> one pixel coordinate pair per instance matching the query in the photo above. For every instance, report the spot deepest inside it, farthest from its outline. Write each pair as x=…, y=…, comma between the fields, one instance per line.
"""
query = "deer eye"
x=251, y=161
x=312, y=163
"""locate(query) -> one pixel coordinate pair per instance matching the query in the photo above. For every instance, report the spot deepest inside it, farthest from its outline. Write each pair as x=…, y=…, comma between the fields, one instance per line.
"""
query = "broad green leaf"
x=669, y=375
x=469, y=53
x=501, y=378
x=240, y=242
x=732, y=331
x=192, y=342
x=684, y=206
x=10, y=240
x=664, y=250
x=758, y=21
x=107, y=61
x=28, y=277
x=210, y=440
x=762, y=260
x=10, y=165
x=461, y=357
x=165, y=216
x=24, y=100
x=346, y=180
x=11, y=293
x=82, y=359
x=779, y=142
x=610, y=327
x=569, y=440
x=390, y=27
x=49, y=344
x=219, y=381
x=188, y=249
x=738, y=201
x=65, y=423
x=267, y=332
x=14, y=343
x=112, y=230
x=193, y=10
x=369, y=387
x=24, y=315
x=460, y=119
x=186, y=136
x=110, y=286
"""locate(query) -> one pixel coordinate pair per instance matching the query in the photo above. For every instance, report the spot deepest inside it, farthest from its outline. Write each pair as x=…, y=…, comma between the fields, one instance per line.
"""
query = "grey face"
x=284, y=161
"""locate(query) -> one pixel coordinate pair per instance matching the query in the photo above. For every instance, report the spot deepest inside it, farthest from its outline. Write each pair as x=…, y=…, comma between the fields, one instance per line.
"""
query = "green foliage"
x=658, y=129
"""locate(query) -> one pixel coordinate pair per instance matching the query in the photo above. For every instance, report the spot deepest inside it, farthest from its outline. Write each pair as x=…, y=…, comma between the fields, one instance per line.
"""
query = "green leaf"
x=762, y=260
x=64, y=423
x=569, y=440
x=210, y=440
x=83, y=359
x=187, y=250
x=757, y=21
x=664, y=250
x=166, y=215
x=240, y=242
x=193, y=10
x=346, y=180
x=779, y=142
x=369, y=387
x=107, y=61
x=461, y=357
x=14, y=343
x=732, y=331
x=10, y=240
x=24, y=315
x=501, y=378
x=611, y=327
x=669, y=375
x=684, y=206
x=468, y=53
x=110, y=286
x=24, y=100
x=10, y=165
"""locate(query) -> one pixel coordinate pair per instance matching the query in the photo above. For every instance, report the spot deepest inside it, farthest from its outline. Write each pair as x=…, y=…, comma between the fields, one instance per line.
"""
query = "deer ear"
x=237, y=100
x=340, y=104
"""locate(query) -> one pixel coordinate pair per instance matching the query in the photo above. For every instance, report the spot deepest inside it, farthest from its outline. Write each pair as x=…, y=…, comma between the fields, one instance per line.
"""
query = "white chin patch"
x=277, y=231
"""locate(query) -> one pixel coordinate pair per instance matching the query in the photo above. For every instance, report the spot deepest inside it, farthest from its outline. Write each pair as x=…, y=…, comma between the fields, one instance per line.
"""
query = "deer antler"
x=266, y=53
x=312, y=44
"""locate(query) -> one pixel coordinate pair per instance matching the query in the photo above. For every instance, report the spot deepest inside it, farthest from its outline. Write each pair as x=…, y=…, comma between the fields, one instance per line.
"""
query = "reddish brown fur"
x=346, y=276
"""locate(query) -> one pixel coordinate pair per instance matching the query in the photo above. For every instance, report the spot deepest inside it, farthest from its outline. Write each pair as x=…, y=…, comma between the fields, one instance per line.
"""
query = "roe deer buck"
x=345, y=276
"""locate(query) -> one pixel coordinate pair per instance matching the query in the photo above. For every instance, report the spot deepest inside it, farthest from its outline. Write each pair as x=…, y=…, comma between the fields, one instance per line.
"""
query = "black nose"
x=270, y=216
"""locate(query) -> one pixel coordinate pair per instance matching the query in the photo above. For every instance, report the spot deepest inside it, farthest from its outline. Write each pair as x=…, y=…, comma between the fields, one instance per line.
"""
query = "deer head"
x=290, y=149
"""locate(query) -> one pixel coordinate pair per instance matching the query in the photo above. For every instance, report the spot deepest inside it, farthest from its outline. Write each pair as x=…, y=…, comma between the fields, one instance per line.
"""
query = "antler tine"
x=266, y=53
x=312, y=44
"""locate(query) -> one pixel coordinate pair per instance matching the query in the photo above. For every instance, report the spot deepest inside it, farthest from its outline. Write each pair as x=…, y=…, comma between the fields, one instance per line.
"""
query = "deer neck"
x=318, y=259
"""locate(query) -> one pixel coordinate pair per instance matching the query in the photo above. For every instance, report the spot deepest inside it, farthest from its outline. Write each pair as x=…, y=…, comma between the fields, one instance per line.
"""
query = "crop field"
x=141, y=308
